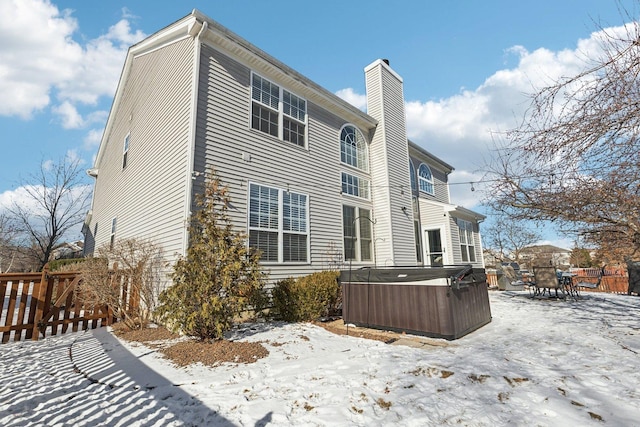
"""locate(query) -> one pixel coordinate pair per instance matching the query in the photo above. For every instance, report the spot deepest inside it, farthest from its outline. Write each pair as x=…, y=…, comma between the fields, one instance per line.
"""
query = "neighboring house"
x=68, y=250
x=315, y=183
x=545, y=255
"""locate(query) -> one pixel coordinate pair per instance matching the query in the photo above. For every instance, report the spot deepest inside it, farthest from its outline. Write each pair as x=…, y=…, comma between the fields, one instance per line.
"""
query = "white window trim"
x=421, y=179
x=462, y=231
x=281, y=113
x=112, y=235
x=125, y=150
x=366, y=186
x=281, y=231
x=357, y=242
x=367, y=166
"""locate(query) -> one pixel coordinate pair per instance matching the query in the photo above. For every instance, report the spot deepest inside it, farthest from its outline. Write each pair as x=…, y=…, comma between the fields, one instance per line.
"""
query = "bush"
x=307, y=298
x=219, y=278
x=139, y=265
x=66, y=264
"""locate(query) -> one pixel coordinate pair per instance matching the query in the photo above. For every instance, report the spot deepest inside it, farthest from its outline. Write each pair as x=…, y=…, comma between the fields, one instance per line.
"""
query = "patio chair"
x=509, y=280
x=546, y=279
x=591, y=285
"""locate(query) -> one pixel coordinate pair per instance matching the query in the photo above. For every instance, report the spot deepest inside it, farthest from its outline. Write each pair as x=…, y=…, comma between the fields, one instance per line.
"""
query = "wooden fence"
x=614, y=282
x=47, y=303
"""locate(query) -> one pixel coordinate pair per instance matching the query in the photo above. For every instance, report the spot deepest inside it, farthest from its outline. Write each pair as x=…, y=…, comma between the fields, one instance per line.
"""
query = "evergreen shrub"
x=306, y=298
x=218, y=279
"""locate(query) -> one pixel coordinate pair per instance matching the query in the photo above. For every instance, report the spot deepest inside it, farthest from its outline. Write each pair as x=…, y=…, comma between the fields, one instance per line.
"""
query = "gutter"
x=191, y=144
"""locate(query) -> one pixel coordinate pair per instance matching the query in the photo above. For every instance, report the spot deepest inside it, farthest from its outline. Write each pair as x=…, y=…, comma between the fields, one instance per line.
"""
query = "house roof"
x=459, y=210
x=548, y=249
x=198, y=24
x=446, y=166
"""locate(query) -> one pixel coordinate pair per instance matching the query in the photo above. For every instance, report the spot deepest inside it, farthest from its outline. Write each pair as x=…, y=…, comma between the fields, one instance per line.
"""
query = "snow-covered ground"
x=538, y=363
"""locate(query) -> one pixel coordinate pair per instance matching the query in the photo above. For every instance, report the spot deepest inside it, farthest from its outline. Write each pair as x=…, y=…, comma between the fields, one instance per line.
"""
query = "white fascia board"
x=447, y=207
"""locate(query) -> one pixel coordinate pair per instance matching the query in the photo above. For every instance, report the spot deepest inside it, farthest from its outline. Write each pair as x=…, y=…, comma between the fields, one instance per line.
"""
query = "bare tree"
x=8, y=251
x=140, y=264
x=575, y=158
x=506, y=238
x=54, y=201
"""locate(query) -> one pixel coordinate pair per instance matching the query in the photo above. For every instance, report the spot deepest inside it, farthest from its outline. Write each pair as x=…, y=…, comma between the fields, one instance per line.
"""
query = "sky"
x=467, y=65
x=538, y=362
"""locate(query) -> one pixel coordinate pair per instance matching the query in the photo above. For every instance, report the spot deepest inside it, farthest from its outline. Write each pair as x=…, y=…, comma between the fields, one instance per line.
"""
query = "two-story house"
x=314, y=181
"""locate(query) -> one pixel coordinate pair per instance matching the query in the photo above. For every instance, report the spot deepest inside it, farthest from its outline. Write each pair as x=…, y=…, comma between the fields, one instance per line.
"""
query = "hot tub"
x=444, y=302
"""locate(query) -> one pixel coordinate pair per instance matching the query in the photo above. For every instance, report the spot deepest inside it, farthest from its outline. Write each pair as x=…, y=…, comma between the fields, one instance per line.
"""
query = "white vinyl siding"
x=154, y=111
x=389, y=156
x=241, y=155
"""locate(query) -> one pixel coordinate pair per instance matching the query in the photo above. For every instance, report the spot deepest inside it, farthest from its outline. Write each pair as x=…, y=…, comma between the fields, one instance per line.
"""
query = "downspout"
x=191, y=144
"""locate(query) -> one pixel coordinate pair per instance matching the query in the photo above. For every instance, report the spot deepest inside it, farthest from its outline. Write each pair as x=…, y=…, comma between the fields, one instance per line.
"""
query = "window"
x=412, y=172
x=125, y=150
x=112, y=239
x=274, y=108
x=467, y=244
x=425, y=179
x=416, y=231
x=353, y=148
x=357, y=233
x=355, y=186
x=278, y=224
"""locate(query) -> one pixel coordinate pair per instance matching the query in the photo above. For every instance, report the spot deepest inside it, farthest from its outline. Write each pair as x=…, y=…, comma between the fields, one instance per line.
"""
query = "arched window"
x=353, y=148
x=425, y=179
x=412, y=171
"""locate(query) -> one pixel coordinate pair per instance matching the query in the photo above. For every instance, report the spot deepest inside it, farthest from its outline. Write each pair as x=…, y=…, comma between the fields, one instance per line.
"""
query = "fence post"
x=42, y=292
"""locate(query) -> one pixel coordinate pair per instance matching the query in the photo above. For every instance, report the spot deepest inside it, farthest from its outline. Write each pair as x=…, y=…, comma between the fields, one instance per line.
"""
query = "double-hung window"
x=355, y=186
x=357, y=233
x=467, y=242
x=278, y=224
x=412, y=172
x=112, y=238
x=278, y=112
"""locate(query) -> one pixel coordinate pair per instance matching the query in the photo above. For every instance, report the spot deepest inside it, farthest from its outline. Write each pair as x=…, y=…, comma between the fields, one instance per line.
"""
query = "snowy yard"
x=541, y=363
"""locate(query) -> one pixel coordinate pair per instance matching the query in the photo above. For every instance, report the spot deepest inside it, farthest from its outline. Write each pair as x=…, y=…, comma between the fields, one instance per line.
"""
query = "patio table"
x=566, y=281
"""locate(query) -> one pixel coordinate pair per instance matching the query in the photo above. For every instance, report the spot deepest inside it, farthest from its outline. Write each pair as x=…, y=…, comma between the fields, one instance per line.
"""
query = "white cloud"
x=466, y=190
x=73, y=157
x=69, y=116
x=40, y=60
x=99, y=71
x=19, y=196
x=461, y=129
x=353, y=98
x=92, y=140
x=36, y=53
